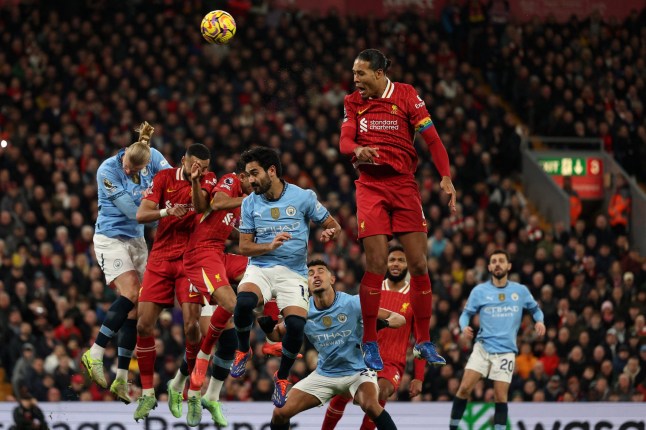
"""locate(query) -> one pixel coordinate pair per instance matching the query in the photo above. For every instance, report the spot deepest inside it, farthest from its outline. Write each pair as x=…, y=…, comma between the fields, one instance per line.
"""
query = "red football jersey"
x=170, y=188
x=213, y=228
x=388, y=123
x=393, y=343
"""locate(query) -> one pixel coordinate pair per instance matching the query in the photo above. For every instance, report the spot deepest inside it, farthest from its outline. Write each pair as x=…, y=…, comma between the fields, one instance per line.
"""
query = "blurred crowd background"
x=77, y=77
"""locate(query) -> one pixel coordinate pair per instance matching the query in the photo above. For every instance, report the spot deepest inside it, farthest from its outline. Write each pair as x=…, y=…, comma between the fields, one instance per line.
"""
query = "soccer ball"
x=218, y=27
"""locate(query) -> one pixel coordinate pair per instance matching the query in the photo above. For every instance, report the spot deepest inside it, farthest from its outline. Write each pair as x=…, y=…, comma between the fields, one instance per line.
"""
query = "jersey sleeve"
x=530, y=304
x=155, y=191
x=157, y=161
x=247, y=224
x=110, y=183
x=417, y=112
x=349, y=114
x=228, y=184
x=315, y=209
x=208, y=183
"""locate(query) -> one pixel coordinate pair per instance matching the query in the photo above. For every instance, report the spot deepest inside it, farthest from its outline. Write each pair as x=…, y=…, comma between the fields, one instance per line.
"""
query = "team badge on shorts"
x=327, y=321
x=514, y=297
x=275, y=213
x=342, y=318
x=501, y=297
x=117, y=264
x=290, y=211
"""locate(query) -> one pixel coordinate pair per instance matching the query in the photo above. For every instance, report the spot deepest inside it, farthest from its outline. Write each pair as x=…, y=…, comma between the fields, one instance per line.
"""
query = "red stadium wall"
x=521, y=9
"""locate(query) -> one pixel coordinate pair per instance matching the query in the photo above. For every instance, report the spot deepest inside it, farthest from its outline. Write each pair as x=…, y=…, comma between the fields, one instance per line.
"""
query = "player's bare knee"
x=376, y=262
x=144, y=328
x=385, y=394
x=464, y=391
x=280, y=416
x=192, y=331
x=418, y=265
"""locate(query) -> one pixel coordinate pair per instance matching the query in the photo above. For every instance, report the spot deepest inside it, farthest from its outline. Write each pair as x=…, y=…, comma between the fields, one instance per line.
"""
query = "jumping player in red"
x=395, y=297
x=378, y=131
x=164, y=278
x=209, y=270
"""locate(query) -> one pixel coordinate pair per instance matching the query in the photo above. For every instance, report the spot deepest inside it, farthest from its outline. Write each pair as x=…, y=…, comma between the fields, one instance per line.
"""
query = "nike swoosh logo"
x=374, y=293
x=169, y=190
x=191, y=295
x=426, y=292
x=362, y=111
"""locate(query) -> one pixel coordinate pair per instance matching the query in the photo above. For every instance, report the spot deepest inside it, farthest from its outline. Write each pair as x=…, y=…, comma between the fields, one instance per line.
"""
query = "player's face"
x=397, y=266
x=365, y=79
x=499, y=266
x=187, y=163
x=129, y=167
x=244, y=183
x=259, y=178
x=319, y=279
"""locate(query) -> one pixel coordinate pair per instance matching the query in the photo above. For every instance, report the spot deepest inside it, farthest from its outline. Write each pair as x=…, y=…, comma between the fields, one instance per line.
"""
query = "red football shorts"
x=392, y=373
x=209, y=269
x=389, y=206
x=163, y=280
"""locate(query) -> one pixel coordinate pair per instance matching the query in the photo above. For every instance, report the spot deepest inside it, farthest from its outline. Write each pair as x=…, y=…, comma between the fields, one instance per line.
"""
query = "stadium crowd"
x=75, y=79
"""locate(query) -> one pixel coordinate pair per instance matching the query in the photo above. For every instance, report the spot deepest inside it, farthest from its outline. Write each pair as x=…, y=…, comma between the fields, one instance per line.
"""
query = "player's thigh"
x=206, y=272
x=112, y=256
x=389, y=379
x=373, y=209
x=235, y=266
x=406, y=214
x=138, y=251
x=502, y=367
x=356, y=382
x=297, y=402
x=291, y=290
x=158, y=285
x=323, y=388
x=257, y=280
x=479, y=364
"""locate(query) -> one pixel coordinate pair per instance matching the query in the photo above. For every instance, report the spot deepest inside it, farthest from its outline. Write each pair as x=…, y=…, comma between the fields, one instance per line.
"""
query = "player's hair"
x=241, y=167
x=139, y=152
x=395, y=248
x=500, y=251
x=265, y=157
x=375, y=58
x=318, y=262
x=198, y=151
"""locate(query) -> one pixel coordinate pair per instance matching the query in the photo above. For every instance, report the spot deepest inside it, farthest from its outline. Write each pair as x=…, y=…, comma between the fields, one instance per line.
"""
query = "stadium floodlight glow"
x=3, y=143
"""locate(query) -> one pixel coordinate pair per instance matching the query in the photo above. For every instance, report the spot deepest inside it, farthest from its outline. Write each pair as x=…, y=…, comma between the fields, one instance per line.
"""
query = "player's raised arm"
x=199, y=196
x=390, y=319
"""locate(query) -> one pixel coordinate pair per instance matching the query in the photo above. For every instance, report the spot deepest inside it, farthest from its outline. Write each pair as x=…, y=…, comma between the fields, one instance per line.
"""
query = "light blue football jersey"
x=291, y=213
x=501, y=311
x=336, y=334
x=113, y=183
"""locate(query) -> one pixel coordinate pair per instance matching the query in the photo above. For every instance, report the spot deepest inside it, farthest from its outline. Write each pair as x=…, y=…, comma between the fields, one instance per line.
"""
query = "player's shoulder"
x=294, y=191
x=402, y=90
x=343, y=299
x=354, y=98
x=480, y=287
x=109, y=165
x=518, y=286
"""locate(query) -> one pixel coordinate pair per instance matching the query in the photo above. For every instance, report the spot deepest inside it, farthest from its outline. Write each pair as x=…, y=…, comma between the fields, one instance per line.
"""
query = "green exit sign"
x=564, y=166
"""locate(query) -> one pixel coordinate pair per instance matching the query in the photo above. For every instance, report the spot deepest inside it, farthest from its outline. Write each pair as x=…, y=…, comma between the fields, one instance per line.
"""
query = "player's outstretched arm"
x=149, y=212
x=249, y=248
x=392, y=319
x=331, y=229
x=222, y=201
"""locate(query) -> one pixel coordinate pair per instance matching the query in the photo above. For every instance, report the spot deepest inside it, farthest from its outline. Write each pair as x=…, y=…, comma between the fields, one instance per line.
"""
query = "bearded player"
x=378, y=131
x=169, y=202
x=395, y=297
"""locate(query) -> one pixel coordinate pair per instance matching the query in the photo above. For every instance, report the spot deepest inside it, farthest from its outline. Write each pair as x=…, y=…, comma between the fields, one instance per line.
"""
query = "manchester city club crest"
x=290, y=211
x=275, y=213
x=514, y=297
x=342, y=318
x=501, y=297
x=144, y=171
x=327, y=321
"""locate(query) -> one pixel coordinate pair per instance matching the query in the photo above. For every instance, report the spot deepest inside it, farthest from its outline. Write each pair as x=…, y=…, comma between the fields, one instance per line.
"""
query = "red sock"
x=146, y=356
x=422, y=302
x=370, y=295
x=191, y=354
x=334, y=412
x=271, y=310
x=219, y=320
x=367, y=423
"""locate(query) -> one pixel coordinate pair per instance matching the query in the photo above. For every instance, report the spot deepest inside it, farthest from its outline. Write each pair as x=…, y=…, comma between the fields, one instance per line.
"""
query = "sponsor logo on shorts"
x=193, y=291
x=218, y=278
x=118, y=263
x=170, y=190
x=362, y=225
